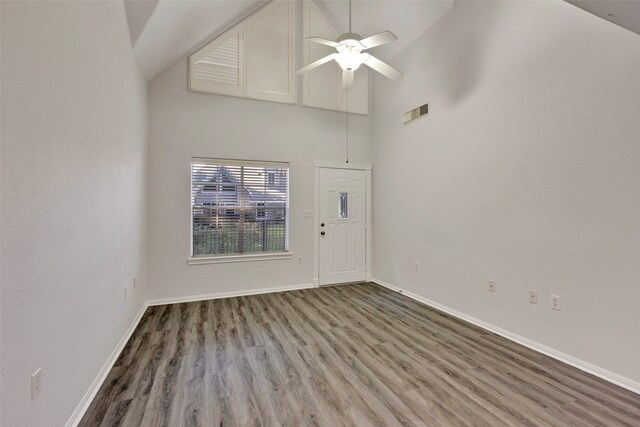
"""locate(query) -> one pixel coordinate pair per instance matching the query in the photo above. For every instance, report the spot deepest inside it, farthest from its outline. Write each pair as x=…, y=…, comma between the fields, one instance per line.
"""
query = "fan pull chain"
x=348, y=121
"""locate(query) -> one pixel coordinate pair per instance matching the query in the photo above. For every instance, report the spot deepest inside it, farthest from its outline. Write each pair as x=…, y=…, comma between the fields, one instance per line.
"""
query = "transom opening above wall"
x=257, y=59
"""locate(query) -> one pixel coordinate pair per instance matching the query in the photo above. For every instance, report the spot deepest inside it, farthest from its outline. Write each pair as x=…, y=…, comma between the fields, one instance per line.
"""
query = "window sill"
x=237, y=258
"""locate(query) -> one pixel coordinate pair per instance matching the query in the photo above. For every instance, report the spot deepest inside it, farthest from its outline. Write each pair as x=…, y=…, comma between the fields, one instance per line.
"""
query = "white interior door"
x=342, y=226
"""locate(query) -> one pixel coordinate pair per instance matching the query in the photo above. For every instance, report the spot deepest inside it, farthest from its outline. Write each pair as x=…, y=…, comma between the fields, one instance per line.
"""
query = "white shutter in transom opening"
x=319, y=84
x=219, y=66
x=322, y=86
x=270, y=52
x=254, y=59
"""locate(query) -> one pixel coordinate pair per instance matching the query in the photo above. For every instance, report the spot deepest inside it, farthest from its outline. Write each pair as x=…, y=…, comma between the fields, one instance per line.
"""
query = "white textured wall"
x=525, y=172
x=73, y=200
x=185, y=124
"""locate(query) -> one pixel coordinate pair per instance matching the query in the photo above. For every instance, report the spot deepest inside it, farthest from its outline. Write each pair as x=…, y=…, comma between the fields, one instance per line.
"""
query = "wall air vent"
x=415, y=114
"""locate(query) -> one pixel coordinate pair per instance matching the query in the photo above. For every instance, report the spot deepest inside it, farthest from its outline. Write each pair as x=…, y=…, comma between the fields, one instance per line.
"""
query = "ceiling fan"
x=350, y=54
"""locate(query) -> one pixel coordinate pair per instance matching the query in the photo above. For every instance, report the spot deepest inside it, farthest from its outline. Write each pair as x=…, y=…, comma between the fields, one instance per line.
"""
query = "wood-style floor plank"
x=352, y=355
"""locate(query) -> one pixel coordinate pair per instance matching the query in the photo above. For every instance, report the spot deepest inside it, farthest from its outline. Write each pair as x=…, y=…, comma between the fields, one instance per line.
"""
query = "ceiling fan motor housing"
x=349, y=36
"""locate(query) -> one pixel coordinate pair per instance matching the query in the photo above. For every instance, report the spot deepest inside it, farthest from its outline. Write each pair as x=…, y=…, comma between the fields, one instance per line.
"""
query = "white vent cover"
x=415, y=114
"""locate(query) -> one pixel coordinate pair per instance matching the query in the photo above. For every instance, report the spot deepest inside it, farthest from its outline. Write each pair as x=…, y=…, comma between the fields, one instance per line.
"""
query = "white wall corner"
x=84, y=404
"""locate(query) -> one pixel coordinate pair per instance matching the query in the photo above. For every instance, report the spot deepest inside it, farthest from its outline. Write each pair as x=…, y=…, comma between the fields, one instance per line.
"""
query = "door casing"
x=316, y=215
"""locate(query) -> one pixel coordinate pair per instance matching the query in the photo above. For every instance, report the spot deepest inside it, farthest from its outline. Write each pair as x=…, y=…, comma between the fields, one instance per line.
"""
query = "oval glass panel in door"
x=343, y=208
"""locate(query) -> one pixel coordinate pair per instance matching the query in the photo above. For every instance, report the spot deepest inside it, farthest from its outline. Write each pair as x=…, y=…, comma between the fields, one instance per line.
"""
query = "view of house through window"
x=239, y=207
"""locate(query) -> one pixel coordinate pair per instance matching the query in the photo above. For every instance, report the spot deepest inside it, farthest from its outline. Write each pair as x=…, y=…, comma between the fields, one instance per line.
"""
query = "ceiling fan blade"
x=383, y=68
x=315, y=64
x=323, y=41
x=378, y=39
x=347, y=79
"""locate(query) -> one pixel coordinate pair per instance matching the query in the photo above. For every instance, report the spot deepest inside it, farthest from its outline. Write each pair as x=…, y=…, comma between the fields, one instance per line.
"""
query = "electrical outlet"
x=125, y=293
x=36, y=383
x=555, y=302
x=299, y=260
x=417, y=266
x=308, y=214
x=533, y=296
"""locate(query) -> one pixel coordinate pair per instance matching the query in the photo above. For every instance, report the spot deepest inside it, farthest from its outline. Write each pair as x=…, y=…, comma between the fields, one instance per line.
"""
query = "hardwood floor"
x=356, y=355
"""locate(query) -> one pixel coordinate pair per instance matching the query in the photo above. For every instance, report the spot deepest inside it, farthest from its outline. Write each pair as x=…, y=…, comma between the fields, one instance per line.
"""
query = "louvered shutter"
x=270, y=52
x=319, y=84
x=239, y=207
x=219, y=67
x=254, y=59
x=322, y=87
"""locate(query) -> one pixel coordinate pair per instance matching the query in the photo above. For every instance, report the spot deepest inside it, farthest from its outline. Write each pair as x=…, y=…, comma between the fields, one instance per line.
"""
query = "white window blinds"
x=239, y=207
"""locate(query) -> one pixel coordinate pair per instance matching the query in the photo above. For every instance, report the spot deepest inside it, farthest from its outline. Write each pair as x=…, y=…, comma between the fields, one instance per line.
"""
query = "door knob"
x=322, y=233
x=322, y=225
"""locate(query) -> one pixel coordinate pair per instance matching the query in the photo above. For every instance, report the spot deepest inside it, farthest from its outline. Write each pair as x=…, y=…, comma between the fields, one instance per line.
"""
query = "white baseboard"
x=231, y=294
x=95, y=386
x=540, y=348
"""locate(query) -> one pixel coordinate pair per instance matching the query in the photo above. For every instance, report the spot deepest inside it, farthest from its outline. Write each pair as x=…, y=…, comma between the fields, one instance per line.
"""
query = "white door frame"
x=316, y=215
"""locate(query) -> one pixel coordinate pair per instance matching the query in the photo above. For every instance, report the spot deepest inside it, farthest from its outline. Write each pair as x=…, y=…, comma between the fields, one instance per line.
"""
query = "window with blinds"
x=239, y=207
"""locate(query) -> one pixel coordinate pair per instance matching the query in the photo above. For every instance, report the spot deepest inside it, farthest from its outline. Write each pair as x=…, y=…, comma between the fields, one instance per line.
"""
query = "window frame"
x=229, y=258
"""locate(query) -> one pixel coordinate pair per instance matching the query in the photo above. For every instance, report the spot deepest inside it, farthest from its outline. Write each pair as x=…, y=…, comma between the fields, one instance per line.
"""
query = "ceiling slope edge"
x=138, y=14
x=176, y=28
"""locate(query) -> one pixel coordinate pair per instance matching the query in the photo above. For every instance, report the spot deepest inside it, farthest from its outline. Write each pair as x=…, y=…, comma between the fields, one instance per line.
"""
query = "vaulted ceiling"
x=176, y=27
x=162, y=31
x=625, y=13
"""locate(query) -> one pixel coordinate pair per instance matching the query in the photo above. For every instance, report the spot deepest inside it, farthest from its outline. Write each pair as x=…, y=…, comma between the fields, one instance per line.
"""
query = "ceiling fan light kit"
x=350, y=55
